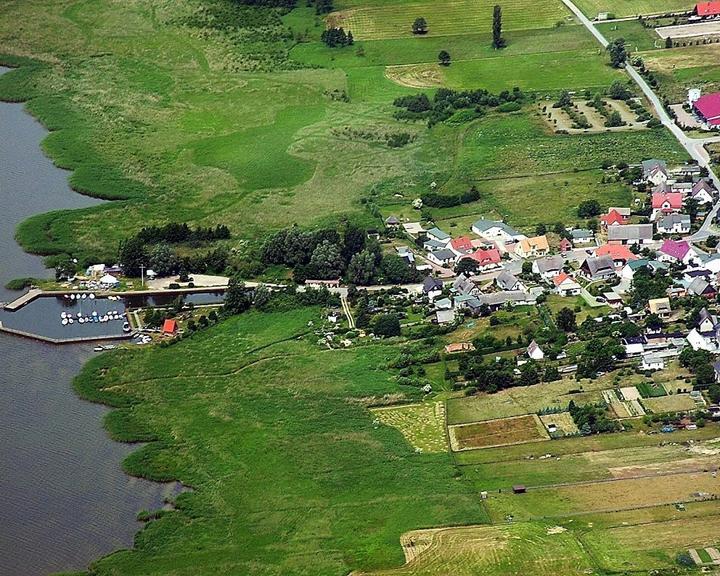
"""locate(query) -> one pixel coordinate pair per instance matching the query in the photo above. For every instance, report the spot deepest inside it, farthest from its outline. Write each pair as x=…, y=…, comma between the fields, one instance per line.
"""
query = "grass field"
x=423, y=425
x=394, y=19
x=682, y=68
x=501, y=432
x=288, y=474
x=622, y=8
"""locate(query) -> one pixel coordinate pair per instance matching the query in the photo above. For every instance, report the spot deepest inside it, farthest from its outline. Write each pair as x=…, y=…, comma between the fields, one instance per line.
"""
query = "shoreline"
x=35, y=224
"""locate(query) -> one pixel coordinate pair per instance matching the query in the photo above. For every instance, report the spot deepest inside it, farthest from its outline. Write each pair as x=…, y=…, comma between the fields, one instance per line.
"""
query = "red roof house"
x=708, y=106
x=486, y=258
x=169, y=326
x=461, y=245
x=620, y=254
x=565, y=245
x=667, y=203
x=707, y=8
x=612, y=218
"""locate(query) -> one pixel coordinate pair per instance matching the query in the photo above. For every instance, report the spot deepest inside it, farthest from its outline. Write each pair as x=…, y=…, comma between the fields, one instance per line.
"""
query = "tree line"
x=328, y=254
x=175, y=233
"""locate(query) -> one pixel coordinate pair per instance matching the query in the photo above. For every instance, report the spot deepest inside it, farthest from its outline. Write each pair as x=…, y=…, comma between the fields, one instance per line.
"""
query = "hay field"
x=455, y=17
x=500, y=432
x=621, y=8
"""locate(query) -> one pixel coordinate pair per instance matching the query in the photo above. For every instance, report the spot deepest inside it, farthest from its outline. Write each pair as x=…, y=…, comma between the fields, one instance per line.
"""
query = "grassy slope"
x=290, y=475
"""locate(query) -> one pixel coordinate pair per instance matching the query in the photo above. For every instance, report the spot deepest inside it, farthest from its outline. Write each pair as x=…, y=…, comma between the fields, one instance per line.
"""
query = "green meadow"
x=289, y=474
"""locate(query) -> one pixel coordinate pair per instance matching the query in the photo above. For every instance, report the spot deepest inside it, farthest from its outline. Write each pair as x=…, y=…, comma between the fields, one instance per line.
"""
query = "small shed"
x=169, y=327
x=519, y=489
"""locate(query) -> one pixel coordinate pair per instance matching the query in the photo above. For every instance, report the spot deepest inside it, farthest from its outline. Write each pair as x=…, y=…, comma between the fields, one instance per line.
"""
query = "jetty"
x=29, y=296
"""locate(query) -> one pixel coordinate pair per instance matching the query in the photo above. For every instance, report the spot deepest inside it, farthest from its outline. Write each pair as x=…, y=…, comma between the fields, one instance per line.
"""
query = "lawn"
x=289, y=473
x=394, y=19
x=674, y=403
x=622, y=8
x=679, y=69
x=636, y=36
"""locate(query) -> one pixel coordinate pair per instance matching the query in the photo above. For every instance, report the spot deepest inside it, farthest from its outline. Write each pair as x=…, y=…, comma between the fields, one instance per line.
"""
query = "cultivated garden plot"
x=560, y=424
x=672, y=403
x=560, y=119
x=501, y=432
x=423, y=425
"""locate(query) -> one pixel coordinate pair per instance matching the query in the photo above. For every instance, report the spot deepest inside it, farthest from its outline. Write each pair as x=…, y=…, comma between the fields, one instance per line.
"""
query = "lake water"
x=65, y=500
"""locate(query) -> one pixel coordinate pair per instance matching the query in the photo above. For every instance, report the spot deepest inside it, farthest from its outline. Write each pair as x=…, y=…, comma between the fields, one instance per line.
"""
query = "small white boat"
x=64, y=321
x=94, y=313
x=81, y=320
x=70, y=320
x=126, y=327
x=63, y=314
x=98, y=349
x=84, y=296
x=72, y=296
x=92, y=296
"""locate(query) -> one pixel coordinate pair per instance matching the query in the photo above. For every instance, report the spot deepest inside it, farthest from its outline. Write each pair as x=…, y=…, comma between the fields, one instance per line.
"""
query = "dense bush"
x=435, y=200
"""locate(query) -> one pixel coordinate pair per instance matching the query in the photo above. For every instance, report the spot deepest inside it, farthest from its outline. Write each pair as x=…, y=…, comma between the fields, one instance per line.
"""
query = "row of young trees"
x=176, y=233
x=337, y=37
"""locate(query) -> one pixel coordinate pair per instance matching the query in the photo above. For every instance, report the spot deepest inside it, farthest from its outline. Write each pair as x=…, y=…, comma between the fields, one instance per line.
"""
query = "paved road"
x=694, y=146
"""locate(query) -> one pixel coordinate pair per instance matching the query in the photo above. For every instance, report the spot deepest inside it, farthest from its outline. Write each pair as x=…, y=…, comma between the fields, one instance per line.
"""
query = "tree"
x=565, y=320
x=132, y=256
x=714, y=393
x=541, y=229
x=618, y=53
x=653, y=322
x=668, y=42
x=564, y=101
x=261, y=297
x=467, y=266
x=589, y=208
x=362, y=312
x=529, y=374
x=386, y=325
x=162, y=259
x=498, y=41
x=614, y=120
x=326, y=261
x=420, y=26
x=237, y=298
x=361, y=269
x=619, y=91
x=551, y=374
x=395, y=270
x=444, y=58
x=64, y=266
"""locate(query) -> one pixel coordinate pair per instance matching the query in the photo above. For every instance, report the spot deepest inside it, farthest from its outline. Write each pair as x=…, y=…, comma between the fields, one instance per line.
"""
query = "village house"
x=565, y=285
x=676, y=251
x=414, y=229
x=630, y=234
x=462, y=245
x=442, y=257
x=392, y=222
x=663, y=204
x=702, y=192
x=534, y=351
x=652, y=361
x=497, y=231
x=615, y=217
x=486, y=259
x=95, y=271
x=507, y=281
x=701, y=287
x=462, y=285
x=690, y=274
x=704, y=336
x=438, y=235
x=565, y=245
x=673, y=224
x=634, y=345
x=613, y=299
x=582, y=236
x=598, y=268
x=467, y=302
x=537, y=246
x=709, y=9
x=445, y=316
x=683, y=188
x=628, y=272
x=432, y=287
x=654, y=171
x=660, y=306
x=620, y=254
x=443, y=304
x=548, y=267
x=432, y=245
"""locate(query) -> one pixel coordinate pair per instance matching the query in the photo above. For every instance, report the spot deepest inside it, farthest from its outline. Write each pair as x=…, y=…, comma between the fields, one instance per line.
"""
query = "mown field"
x=394, y=19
